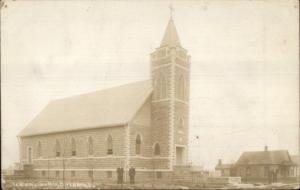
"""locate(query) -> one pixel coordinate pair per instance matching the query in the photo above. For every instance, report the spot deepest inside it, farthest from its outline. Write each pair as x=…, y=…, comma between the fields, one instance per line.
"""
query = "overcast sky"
x=244, y=65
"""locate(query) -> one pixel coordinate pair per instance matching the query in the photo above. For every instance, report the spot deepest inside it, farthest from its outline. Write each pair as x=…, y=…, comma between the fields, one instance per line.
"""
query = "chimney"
x=266, y=148
x=220, y=162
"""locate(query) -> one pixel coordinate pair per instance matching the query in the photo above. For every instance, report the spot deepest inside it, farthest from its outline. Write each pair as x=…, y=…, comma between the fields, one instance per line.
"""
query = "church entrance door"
x=179, y=155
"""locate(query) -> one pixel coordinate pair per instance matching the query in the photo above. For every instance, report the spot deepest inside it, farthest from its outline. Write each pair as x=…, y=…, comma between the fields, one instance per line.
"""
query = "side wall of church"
x=99, y=161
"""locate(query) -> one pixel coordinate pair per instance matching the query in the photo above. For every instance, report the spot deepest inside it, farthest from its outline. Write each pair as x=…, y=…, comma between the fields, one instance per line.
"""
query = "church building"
x=144, y=125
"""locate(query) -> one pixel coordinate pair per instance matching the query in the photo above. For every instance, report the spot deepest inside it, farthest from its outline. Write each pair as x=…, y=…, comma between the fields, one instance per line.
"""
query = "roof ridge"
x=100, y=90
x=258, y=151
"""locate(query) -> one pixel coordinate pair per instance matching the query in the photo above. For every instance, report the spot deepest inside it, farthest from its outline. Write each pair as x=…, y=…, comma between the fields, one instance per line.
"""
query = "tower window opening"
x=73, y=147
x=57, y=149
x=156, y=149
x=181, y=123
x=181, y=88
x=138, y=143
x=161, y=86
x=109, y=145
x=39, y=149
x=90, y=146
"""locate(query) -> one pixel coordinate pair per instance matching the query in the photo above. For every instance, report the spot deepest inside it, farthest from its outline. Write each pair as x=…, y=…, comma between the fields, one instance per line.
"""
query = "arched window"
x=156, y=85
x=181, y=87
x=29, y=155
x=138, y=143
x=181, y=123
x=57, y=149
x=109, y=145
x=73, y=147
x=39, y=149
x=156, y=149
x=90, y=146
x=163, y=87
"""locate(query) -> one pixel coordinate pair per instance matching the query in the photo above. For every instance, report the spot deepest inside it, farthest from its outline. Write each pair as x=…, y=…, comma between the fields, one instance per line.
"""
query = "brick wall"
x=182, y=72
x=80, y=176
x=181, y=132
x=181, y=103
x=99, y=136
x=141, y=125
x=165, y=72
x=160, y=125
x=174, y=64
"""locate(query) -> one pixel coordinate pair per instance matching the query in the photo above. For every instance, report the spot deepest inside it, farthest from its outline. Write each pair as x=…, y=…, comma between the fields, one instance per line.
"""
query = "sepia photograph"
x=171, y=94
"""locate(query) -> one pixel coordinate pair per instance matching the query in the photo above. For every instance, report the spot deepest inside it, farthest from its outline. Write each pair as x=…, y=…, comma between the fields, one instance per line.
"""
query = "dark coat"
x=131, y=172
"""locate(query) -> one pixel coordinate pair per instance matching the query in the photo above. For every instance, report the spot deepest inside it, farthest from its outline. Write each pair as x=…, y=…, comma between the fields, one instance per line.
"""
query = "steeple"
x=170, y=73
x=170, y=37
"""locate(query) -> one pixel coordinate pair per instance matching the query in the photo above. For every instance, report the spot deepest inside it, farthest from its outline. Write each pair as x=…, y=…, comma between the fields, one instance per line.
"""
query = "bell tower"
x=170, y=71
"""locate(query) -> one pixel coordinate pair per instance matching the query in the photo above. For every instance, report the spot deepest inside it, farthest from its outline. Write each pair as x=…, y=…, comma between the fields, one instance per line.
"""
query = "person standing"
x=132, y=175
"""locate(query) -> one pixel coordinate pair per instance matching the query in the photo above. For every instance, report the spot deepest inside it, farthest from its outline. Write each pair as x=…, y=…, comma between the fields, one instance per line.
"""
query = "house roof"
x=170, y=37
x=265, y=157
x=223, y=166
x=110, y=107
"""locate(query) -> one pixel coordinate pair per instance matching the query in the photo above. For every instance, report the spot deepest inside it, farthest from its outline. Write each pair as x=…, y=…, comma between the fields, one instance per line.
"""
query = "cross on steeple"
x=171, y=10
x=170, y=37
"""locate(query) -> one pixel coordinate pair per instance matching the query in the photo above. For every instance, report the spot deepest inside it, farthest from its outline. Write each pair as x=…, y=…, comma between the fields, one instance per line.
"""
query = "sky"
x=244, y=65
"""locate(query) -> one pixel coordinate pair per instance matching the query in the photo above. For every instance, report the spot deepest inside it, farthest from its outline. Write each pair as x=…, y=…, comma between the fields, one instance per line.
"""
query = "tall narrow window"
x=57, y=149
x=109, y=145
x=90, y=146
x=163, y=87
x=73, y=147
x=181, y=87
x=156, y=86
x=156, y=149
x=181, y=123
x=39, y=149
x=29, y=155
x=138, y=143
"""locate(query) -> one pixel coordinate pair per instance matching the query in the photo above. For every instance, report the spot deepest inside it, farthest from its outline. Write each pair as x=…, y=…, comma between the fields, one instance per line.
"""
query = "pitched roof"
x=264, y=157
x=223, y=166
x=170, y=37
x=109, y=107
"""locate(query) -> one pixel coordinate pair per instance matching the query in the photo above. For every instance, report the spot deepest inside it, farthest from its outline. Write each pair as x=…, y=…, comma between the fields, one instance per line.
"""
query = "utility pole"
x=48, y=159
